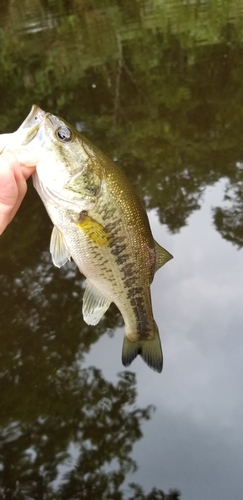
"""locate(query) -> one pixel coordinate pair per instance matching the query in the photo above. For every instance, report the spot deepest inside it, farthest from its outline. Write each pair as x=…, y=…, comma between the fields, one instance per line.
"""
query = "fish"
x=100, y=222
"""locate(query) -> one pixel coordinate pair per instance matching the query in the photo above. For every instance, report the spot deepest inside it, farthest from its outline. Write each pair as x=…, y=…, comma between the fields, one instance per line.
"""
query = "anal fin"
x=94, y=304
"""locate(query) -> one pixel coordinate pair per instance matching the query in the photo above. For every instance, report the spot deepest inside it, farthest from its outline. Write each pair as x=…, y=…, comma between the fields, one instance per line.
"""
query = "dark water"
x=158, y=86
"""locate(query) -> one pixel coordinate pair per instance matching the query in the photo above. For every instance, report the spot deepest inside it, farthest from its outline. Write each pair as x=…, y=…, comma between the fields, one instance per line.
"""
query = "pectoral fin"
x=161, y=256
x=58, y=248
x=94, y=231
x=94, y=304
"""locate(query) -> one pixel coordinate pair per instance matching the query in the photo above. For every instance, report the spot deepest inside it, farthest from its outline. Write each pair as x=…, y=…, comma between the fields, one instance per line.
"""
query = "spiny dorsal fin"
x=161, y=256
x=94, y=304
x=58, y=248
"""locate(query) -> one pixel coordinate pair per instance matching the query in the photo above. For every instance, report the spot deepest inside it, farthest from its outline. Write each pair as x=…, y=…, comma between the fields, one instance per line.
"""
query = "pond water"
x=158, y=87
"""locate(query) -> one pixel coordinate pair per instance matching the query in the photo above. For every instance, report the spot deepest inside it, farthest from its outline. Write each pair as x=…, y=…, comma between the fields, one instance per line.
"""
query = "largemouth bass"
x=100, y=222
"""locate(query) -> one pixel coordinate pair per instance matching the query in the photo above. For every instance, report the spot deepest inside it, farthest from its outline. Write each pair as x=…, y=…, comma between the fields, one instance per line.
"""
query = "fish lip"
x=31, y=134
x=32, y=123
x=35, y=117
x=35, y=120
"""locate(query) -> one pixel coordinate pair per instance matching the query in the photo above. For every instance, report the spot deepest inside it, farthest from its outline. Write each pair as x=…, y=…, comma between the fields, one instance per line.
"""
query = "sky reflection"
x=158, y=86
x=195, y=437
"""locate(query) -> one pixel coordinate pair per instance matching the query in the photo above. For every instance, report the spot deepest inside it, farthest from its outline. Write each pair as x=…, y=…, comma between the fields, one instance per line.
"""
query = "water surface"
x=158, y=87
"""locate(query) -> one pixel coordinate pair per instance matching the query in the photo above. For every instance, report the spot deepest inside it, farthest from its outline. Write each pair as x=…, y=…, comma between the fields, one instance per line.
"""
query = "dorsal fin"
x=161, y=256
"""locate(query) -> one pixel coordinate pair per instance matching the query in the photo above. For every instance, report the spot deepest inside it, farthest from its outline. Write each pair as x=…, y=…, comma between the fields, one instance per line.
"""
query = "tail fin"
x=150, y=351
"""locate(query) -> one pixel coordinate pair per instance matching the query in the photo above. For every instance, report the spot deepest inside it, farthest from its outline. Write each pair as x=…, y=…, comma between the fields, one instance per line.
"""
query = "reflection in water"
x=50, y=404
x=138, y=87
x=66, y=413
x=229, y=220
x=160, y=90
x=54, y=413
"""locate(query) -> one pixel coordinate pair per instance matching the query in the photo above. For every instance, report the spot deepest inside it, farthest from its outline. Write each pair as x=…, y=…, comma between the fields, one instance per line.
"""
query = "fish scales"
x=101, y=223
x=123, y=281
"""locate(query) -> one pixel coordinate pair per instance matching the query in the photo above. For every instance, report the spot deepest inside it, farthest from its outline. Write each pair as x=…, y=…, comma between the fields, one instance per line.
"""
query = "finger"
x=26, y=158
x=4, y=140
x=12, y=188
x=27, y=171
x=13, y=140
x=8, y=185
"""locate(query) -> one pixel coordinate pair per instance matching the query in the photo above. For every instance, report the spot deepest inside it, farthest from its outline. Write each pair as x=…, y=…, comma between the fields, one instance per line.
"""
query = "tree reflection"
x=65, y=431
x=229, y=220
x=53, y=410
x=72, y=414
x=162, y=94
x=144, y=100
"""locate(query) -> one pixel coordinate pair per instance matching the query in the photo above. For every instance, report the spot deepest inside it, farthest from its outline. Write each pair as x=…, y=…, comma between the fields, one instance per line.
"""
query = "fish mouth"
x=32, y=124
x=35, y=123
x=26, y=132
x=35, y=117
x=30, y=135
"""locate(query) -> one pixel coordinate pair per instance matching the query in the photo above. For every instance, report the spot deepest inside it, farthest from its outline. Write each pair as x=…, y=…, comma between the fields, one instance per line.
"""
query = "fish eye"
x=63, y=134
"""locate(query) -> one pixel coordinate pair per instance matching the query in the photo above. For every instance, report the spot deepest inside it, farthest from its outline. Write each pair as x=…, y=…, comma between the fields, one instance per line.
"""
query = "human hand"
x=14, y=172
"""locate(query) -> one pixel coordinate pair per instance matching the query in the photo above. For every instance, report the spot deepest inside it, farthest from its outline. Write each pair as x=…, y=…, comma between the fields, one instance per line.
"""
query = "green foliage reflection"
x=65, y=431
x=158, y=86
